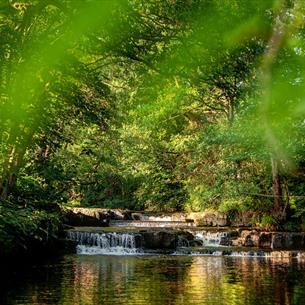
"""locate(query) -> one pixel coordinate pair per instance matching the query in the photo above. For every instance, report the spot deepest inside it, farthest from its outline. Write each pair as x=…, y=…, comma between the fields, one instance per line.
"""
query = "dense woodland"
x=159, y=105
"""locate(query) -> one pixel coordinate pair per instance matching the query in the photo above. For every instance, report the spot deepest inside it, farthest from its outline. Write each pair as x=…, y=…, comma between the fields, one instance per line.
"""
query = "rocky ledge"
x=102, y=217
x=94, y=216
x=270, y=240
x=160, y=238
x=167, y=230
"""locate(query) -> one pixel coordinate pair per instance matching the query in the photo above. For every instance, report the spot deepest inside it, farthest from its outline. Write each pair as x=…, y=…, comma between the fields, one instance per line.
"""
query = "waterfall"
x=148, y=243
x=106, y=243
x=213, y=239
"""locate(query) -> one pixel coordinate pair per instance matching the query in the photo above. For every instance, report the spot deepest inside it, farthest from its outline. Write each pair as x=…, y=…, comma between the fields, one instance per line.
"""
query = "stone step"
x=149, y=224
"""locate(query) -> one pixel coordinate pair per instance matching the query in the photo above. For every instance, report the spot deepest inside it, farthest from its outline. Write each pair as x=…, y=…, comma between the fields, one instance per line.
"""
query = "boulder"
x=94, y=216
x=136, y=216
x=166, y=239
x=265, y=239
x=213, y=219
x=291, y=241
x=160, y=240
x=270, y=240
x=247, y=238
x=244, y=219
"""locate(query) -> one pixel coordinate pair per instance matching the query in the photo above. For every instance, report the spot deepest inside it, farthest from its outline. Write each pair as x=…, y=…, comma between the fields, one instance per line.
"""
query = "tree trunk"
x=10, y=174
x=7, y=186
x=230, y=114
x=4, y=191
x=276, y=188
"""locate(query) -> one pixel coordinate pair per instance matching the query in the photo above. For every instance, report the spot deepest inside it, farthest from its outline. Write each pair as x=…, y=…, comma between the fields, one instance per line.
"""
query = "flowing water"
x=105, y=243
x=151, y=223
x=115, y=268
x=131, y=243
x=155, y=280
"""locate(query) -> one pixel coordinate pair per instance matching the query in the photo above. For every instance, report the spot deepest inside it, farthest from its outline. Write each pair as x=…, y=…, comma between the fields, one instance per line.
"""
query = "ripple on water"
x=156, y=280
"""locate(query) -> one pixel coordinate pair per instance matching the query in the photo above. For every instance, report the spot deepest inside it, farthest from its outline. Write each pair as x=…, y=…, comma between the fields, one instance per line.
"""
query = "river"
x=155, y=280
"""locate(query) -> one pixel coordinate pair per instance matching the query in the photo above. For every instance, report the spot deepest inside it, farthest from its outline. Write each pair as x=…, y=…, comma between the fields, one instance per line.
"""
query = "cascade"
x=176, y=235
x=105, y=243
x=212, y=238
x=141, y=243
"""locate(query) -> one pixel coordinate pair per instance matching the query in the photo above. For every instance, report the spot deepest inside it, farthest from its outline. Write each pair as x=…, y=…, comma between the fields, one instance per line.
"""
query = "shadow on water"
x=155, y=280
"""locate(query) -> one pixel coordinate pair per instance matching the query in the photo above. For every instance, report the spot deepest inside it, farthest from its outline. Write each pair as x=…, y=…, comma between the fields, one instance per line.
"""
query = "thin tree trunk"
x=7, y=187
x=9, y=177
x=230, y=114
x=276, y=187
x=4, y=191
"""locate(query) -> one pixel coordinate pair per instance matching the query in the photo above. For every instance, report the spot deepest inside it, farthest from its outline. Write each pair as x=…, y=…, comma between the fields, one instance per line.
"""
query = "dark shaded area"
x=155, y=280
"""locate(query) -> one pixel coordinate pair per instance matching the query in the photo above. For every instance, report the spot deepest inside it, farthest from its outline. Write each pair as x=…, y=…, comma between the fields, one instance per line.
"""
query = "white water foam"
x=105, y=243
x=212, y=239
x=89, y=250
x=258, y=254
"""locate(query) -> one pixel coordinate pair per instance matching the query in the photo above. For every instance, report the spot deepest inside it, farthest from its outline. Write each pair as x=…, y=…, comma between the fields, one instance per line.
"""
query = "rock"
x=117, y=214
x=265, y=239
x=233, y=234
x=255, y=238
x=186, y=239
x=297, y=240
x=248, y=242
x=160, y=240
x=244, y=219
x=166, y=239
x=73, y=218
x=189, y=220
x=213, y=219
x=94, y=216
x=270, y=240
x=247, y=238
x=291, y=241
x=136, y=216
x=245, y=233
x=228, y=238
x=196, y=243
x=225, y=241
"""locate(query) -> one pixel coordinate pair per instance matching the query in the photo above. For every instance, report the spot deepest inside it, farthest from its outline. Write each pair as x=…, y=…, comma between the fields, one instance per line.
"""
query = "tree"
x=40, y=66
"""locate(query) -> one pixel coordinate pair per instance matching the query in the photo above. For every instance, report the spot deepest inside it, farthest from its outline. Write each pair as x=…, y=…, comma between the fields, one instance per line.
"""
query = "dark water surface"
x=150, y=280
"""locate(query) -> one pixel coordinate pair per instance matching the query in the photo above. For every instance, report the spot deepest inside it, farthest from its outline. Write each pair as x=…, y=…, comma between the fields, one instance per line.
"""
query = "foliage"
x=23, y=229
x=174, y=105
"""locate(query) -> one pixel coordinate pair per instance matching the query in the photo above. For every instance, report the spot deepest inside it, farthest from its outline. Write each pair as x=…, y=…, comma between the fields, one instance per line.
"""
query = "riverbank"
x=28, y=233
x=121, y=232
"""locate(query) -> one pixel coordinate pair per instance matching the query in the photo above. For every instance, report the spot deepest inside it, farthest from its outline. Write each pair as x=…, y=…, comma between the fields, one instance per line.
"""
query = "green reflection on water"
x=82, y=280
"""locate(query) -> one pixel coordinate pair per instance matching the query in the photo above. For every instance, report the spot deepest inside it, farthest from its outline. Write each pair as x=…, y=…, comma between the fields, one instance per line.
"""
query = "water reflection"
x=94, y=280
